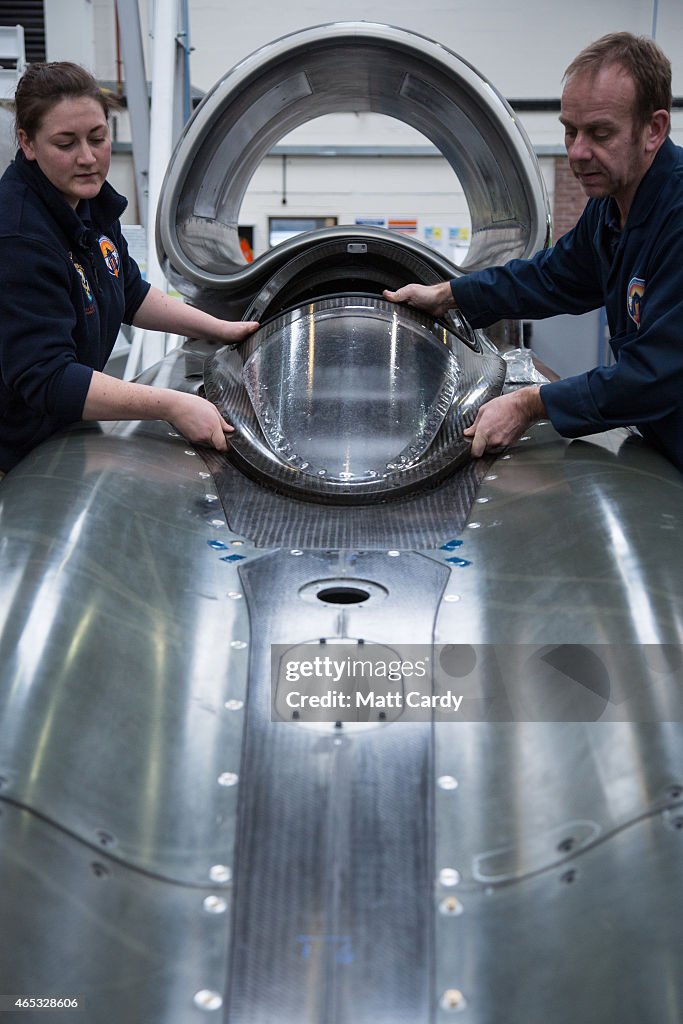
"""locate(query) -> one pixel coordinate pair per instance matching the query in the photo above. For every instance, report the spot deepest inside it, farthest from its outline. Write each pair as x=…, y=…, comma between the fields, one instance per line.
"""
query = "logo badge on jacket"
x=87, y=290
x=634, y=298
x=110, y=254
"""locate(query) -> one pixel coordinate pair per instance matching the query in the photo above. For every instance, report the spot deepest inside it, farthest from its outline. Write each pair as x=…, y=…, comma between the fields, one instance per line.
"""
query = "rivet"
x=228, y=779
x=237, y=543
x=452, y=598
x=173, y=433
x=189, y=452
x=207, y=999
x=447, y=782
x=234, y=705
x=217, y=523
x=204, y=476
x=473, y=526
x=220, y=873
x=450, y=907
x=506, y=457
x=449, y=877
x=211, y=497
x=482, y=501
x=238, y=645
x=394, y=554
x=453, y=1000
x=215, y=905
x=491, y=476
x=234, y=595
x=296, y=551
x=525, y=438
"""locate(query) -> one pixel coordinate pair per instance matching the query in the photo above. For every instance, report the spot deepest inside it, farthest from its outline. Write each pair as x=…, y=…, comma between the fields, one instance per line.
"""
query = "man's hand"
x=433, y=298
x=503, y=420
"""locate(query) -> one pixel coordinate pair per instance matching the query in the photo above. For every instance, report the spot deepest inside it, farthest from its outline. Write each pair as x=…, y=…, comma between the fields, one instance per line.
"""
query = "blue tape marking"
x=343, y=955
x=451, y=545
x=217, y=545
x=232, y=558
x=458, y=561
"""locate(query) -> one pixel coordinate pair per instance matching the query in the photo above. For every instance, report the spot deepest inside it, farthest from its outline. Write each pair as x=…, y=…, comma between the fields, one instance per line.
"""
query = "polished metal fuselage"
x=174, y=850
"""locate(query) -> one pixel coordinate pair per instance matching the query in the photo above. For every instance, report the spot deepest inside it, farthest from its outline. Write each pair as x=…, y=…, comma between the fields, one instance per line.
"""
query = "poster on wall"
x=434, y=236
x=404, y=225
x=458, y=243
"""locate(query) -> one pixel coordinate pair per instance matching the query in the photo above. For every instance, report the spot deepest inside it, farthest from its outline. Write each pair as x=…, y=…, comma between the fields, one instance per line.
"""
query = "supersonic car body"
x=179, y=840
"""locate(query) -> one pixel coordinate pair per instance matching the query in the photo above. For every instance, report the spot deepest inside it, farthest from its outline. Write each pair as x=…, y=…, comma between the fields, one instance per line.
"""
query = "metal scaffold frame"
x=157, y=119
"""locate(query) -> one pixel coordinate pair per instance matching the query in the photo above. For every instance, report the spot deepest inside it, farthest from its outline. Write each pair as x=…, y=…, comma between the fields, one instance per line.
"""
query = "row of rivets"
x=452, y=1000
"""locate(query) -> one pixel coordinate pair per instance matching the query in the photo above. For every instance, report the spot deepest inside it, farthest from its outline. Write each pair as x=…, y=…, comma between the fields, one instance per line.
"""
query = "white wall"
x=522, y=46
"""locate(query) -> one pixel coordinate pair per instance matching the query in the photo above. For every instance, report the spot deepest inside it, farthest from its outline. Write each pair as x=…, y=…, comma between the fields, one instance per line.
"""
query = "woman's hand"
x=195, y=418
x=161, y=312
x=198, y=420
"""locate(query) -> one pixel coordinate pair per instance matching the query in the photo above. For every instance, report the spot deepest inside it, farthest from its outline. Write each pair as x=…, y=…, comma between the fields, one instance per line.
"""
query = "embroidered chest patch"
x=634, y=298
x=87, y=290
x=110, y=254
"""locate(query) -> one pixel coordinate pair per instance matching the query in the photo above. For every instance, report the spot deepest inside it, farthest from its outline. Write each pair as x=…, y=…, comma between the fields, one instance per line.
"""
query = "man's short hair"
x=641, y=58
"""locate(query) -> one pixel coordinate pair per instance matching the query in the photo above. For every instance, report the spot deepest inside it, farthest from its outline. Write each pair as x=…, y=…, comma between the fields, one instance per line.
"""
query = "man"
x=626, y=253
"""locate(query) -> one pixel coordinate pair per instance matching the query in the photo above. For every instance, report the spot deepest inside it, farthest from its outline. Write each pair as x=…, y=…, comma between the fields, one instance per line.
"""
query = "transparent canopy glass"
x=351, y=398
x=350, y=388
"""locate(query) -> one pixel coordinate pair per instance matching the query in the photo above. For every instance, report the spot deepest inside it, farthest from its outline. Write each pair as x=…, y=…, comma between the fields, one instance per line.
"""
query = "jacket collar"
x=657, y=177
x=105, y=208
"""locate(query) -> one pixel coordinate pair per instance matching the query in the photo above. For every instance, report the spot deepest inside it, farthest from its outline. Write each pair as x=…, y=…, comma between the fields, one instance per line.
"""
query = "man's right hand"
x=436, y=299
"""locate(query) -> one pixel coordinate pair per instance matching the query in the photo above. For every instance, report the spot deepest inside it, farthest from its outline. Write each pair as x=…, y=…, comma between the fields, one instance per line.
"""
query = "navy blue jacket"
x=637, y=274
x=66, y=286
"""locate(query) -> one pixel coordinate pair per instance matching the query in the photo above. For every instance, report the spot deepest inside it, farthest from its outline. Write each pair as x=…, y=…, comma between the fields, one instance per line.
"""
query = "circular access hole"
x=343, y=595
x=342, y=590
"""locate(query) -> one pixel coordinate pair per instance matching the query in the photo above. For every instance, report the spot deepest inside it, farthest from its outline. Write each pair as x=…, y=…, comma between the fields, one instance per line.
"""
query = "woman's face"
x=72, y=147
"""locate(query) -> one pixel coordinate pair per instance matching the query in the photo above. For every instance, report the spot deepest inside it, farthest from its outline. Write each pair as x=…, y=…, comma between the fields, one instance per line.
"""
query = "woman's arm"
x=160, y=312
x=195, y=418
x=109, y=398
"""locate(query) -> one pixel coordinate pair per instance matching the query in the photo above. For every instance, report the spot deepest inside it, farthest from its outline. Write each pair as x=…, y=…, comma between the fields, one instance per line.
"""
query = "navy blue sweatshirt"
x=637, y=274
x=67, y=284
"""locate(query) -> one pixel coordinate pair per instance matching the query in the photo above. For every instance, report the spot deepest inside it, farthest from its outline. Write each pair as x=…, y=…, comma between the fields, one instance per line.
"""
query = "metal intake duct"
x=354, y=66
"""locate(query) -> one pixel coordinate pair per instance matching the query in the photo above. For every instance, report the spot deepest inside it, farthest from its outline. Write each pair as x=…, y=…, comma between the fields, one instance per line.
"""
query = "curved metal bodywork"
x=173, y=850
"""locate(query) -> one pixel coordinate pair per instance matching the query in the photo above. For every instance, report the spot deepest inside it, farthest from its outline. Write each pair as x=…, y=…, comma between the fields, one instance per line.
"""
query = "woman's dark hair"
x=43, y=85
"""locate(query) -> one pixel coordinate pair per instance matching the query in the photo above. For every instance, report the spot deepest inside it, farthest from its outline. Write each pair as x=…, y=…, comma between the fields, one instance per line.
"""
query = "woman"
x=67, y=282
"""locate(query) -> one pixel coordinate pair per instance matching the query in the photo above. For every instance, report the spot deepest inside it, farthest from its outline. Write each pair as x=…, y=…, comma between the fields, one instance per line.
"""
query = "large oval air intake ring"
x=354, y=66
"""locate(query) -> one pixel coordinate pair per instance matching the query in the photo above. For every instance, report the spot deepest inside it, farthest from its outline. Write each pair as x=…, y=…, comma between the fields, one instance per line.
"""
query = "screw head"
x=207, y=999
x=453, y=1000
x=215, y=905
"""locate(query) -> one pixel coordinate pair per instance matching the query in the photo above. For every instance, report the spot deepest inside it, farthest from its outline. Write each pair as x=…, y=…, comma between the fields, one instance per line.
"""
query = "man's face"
x=607, y=152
